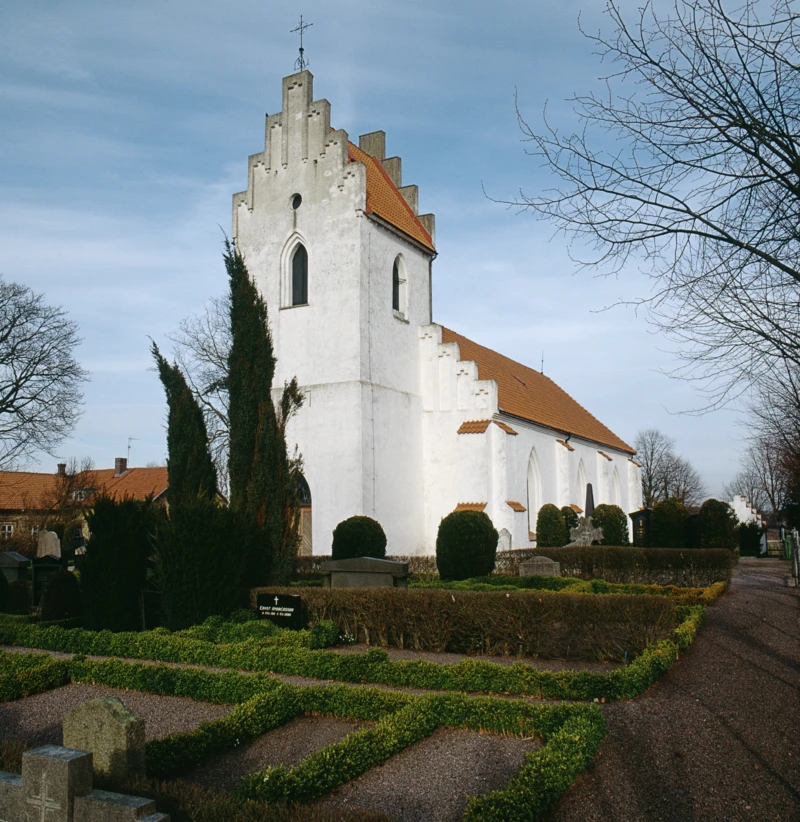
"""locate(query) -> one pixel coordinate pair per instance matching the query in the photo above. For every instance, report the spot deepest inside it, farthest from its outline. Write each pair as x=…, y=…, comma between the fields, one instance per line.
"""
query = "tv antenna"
x=130, y=440
x=301, y=63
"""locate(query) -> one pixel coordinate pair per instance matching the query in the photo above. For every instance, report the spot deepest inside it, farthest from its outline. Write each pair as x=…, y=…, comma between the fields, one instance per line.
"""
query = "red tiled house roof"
x=529, y=395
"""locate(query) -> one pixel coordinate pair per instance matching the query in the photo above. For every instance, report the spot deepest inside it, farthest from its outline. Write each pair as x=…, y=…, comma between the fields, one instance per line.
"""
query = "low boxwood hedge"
x=26, y=674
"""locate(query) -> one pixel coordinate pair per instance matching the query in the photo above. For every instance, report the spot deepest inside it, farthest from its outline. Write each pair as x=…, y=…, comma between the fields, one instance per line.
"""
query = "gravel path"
x=36, y=720
x=289, y=745
x=430, y=781
x=717, y=738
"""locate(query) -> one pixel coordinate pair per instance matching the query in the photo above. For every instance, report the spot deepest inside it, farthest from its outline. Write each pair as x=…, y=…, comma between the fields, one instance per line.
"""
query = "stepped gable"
x=385, y=200
x=525, y=393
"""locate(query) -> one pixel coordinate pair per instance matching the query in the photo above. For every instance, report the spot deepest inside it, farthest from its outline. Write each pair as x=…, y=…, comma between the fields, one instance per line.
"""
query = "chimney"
x=120, y=466
x=62, y=469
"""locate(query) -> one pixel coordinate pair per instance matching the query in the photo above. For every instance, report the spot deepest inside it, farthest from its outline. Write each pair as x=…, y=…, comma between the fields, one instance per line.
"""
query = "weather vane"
x=301, y=63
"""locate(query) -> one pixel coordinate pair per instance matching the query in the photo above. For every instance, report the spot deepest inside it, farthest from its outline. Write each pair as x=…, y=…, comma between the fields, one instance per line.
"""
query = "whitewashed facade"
x=387, y=390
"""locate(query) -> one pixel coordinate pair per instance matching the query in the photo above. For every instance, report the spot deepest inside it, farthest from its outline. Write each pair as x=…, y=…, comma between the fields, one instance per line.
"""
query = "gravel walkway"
x=717, y=739
x=287, y=745
x=36, y=720
x=430, y=781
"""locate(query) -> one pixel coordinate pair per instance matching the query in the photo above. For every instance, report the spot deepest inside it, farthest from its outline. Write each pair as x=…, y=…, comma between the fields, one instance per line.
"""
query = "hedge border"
x=571, y=733
x=26, y=674
x=471, y=676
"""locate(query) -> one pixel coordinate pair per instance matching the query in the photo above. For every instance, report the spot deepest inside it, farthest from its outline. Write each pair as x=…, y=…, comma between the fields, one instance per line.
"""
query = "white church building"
x=404, y=420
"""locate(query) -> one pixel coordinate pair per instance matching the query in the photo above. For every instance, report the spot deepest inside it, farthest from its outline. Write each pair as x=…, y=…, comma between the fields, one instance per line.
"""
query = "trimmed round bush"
x=551, y=530
x=668, y=524
x=358, y=537
x=749, y=534
x=466, y=545
x=570, y=518
x=62, y=597
x=717, y=525
x=614, y=522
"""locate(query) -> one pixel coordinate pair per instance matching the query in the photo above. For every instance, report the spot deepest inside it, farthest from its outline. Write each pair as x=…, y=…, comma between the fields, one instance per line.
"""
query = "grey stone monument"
x=14, y=566
x=540, y=567
x=49, y=545
x=364, y=572
x=585, y=533
x=56, y=786
x=114, y=735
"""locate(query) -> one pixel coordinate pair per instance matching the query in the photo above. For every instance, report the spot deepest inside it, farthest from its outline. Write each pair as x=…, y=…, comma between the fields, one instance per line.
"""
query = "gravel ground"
x=717, y=738
x=396, y=654
x=287, y=745
x=36, y=719
x=430, y=781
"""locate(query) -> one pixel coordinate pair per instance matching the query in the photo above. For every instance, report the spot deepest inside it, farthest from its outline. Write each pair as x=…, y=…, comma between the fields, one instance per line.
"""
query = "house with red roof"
x=404, y=420
x=29, y=498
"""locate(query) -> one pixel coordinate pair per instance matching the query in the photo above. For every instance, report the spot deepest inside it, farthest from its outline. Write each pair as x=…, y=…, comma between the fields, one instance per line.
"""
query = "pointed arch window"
x=300, y=276
x=399, y=289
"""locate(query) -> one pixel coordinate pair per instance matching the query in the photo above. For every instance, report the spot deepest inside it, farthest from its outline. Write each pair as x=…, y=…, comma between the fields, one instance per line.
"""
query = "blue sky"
x=125, y=129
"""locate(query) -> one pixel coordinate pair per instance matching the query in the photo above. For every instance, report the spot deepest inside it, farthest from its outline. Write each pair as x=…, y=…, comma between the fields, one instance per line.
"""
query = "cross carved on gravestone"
x=42, y=801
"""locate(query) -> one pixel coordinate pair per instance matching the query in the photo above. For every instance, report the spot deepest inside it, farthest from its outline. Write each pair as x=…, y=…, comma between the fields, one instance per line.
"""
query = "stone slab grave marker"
x=284, y=610
x=56, y=786
x=113, y=733
x=540, y=567
x=364, y=572
x=49, y=545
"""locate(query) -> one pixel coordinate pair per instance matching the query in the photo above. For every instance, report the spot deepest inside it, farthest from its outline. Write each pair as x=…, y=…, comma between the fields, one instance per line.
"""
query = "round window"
x=296, y=200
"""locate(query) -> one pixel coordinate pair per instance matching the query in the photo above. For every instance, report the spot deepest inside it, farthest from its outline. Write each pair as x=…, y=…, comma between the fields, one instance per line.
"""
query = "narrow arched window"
x=395, y=286
x=300, y=276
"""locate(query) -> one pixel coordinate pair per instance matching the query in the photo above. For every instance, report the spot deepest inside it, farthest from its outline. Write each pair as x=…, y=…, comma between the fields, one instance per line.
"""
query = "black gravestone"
x=283, y=610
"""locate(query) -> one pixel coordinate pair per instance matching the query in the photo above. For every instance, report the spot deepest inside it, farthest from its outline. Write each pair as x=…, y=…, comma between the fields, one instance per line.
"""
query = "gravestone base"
x=364, y=572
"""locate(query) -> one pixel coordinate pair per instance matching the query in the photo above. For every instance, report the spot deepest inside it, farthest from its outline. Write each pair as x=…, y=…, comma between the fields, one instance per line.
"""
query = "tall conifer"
x=263, y=479
x=190, y=469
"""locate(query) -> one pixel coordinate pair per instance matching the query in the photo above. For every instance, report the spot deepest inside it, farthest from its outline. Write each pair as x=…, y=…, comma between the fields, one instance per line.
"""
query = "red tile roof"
x=525, y=393
x=507, y=428
x=23, y=490
x=470, y=506
x=384, y=200
x=515, y=506
x=474, y=427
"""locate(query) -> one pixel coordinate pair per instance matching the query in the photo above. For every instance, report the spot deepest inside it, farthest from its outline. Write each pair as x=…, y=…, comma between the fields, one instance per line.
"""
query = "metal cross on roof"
x=301, y=63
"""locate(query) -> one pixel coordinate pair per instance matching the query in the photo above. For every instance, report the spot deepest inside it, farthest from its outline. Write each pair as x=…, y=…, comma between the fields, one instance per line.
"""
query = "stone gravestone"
x=540, y=567
x=56, y=786
x=49, y=545
x=364, y=572
x=114, y=734
x=585, y=533
x=284, y=610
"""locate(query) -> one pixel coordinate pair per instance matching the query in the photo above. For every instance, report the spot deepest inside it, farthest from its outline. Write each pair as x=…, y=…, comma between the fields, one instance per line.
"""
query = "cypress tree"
x=263, y=479
x=190, y=469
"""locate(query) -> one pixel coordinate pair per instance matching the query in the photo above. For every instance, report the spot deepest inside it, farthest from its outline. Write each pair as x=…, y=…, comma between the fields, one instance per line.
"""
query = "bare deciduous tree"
x=40, y=380
x=202, y=344
x=690, y=163
x=664, y=473
x=762, y=478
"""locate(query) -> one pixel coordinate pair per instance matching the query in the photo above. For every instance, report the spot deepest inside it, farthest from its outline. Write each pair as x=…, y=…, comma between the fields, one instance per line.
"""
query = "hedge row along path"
x=717, y=737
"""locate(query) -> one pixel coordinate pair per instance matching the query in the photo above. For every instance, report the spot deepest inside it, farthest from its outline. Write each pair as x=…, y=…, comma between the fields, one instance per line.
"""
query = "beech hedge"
x=522, y=623
x=655, y=566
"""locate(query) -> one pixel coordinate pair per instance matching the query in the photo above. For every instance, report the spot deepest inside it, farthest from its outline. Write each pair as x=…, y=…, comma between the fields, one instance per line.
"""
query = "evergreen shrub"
x=62, y=597
x=114, y=568
x=717, y=525
x=614, y=522
x=466, y=545
x=749, y=536
x=358, y=537
x=570, y=518
x=201, y=553
x=668, y=524
x=551, y=529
